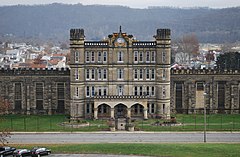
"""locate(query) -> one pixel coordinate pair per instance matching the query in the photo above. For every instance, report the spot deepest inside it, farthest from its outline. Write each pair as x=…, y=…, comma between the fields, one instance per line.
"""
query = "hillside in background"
x=53, y=22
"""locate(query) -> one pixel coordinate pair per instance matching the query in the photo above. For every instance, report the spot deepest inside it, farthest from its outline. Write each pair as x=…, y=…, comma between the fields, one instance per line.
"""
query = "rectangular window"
x=76, y=92
x=120, y=56
x=88, y=108
x=105, y=74
x=93, y=91
x=164, y=74
x=152, y=108
x=153, y=91
x=140, y=90
x=135, y=90
x=135, y=74
x=39, y=96
x=99, y=91
x=87, y=91
x=147, y=56
x=76, y=57
x=76, y=74
x=18, y=96
x=163, y=56
x=147, y=74
x=153, y=74
x=87, y=74
x=120, y=90
x=92, y=57
x=99, y=56
x=104, y=56
x=140, y=56
x=105, y=91
x=99, y=74
x=60, y=91
x=147, y=91
x=153, y=56
x=140, y=74
x=87, y=56
x=163, y=92
x=93, y=74
x=120, y=74
x=135, y=56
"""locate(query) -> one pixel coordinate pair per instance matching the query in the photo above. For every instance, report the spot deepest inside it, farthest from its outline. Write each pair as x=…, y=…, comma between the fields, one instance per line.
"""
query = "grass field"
x=215, y=122
x=176, y=150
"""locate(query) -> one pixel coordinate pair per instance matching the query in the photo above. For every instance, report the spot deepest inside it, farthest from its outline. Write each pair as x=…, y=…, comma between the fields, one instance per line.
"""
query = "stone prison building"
x=118, y=77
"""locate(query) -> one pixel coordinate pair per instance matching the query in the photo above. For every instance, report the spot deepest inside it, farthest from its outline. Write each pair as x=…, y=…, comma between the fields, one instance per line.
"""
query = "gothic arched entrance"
x=120, y=111
x=104, y=111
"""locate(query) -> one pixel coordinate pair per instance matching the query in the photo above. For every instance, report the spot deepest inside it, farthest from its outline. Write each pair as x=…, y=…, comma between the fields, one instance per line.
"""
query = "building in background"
x=120, y=76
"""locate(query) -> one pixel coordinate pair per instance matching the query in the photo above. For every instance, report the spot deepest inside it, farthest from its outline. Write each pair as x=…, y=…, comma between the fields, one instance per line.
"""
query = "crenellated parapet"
x=34, y=71
x=188, y=71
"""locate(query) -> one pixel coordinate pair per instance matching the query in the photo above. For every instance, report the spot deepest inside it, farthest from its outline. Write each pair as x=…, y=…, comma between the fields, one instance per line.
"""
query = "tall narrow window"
x=99, y=74
x=153, y=74
x=76, y=74
x=135, y=90
x=92, y=57
x=87, y=56
x=120, y=74
x=147, y=56
x=87, y=91
x=87, y=74
x=120, y=56
x=140, y=74
x=164, y=74
x=140, y=56
x=99, y=56
x=39, y=96
x=76, y=57
x=120, y=90
x=153, y=56
x=60, y=98
x=105, y=74
x=178, y=97
x=163, y=92
x=153, y=91
x=93, y=74
x=163, y=56
x=93, y=91
x=152, y=108
x=99, y=91
x=147, y=91
x=147, y=74
x=18, y=96
x=105, y=91
x=135, y=56
x=104, y=56
x=140, y=90
x=135, y=74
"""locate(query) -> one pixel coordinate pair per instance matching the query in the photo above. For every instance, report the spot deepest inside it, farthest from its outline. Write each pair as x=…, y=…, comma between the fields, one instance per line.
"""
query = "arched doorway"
x=120, y=111
x=104, y=111
x=137, y=110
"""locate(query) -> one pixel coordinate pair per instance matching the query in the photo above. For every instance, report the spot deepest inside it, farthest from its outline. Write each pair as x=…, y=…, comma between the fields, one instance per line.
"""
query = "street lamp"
x=205, y=119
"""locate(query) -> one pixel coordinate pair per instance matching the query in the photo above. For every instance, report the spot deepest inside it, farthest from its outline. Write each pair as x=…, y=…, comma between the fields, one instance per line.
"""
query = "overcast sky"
x=135, y=3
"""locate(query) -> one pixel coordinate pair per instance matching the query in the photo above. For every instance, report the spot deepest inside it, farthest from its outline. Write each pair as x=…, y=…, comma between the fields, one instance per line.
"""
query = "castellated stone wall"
x=36, y=91
x=194, y=89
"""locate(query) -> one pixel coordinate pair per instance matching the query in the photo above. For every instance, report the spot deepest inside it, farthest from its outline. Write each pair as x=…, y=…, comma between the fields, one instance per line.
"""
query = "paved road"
x=121, y=137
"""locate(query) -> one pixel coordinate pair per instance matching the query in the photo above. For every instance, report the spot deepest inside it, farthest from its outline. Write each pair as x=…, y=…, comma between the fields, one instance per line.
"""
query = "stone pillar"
x=145, y=115
x=112, y=112
x=129, y=112
x=95, y=113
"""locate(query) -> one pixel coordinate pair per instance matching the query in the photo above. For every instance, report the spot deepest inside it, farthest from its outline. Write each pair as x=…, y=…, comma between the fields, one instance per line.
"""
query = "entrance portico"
x=122, y=108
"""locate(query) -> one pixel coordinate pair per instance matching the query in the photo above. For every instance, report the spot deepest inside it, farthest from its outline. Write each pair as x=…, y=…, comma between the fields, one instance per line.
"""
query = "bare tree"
x=4, y=109
x=187, y=48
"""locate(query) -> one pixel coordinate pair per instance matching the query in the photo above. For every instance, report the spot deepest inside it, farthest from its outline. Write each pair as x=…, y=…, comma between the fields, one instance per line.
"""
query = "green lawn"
x=215, y=122
x=176, y=150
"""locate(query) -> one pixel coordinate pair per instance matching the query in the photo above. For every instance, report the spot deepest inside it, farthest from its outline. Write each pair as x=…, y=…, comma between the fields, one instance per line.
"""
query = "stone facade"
x=36, y=91
x=194, y=89
x=120, y=76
